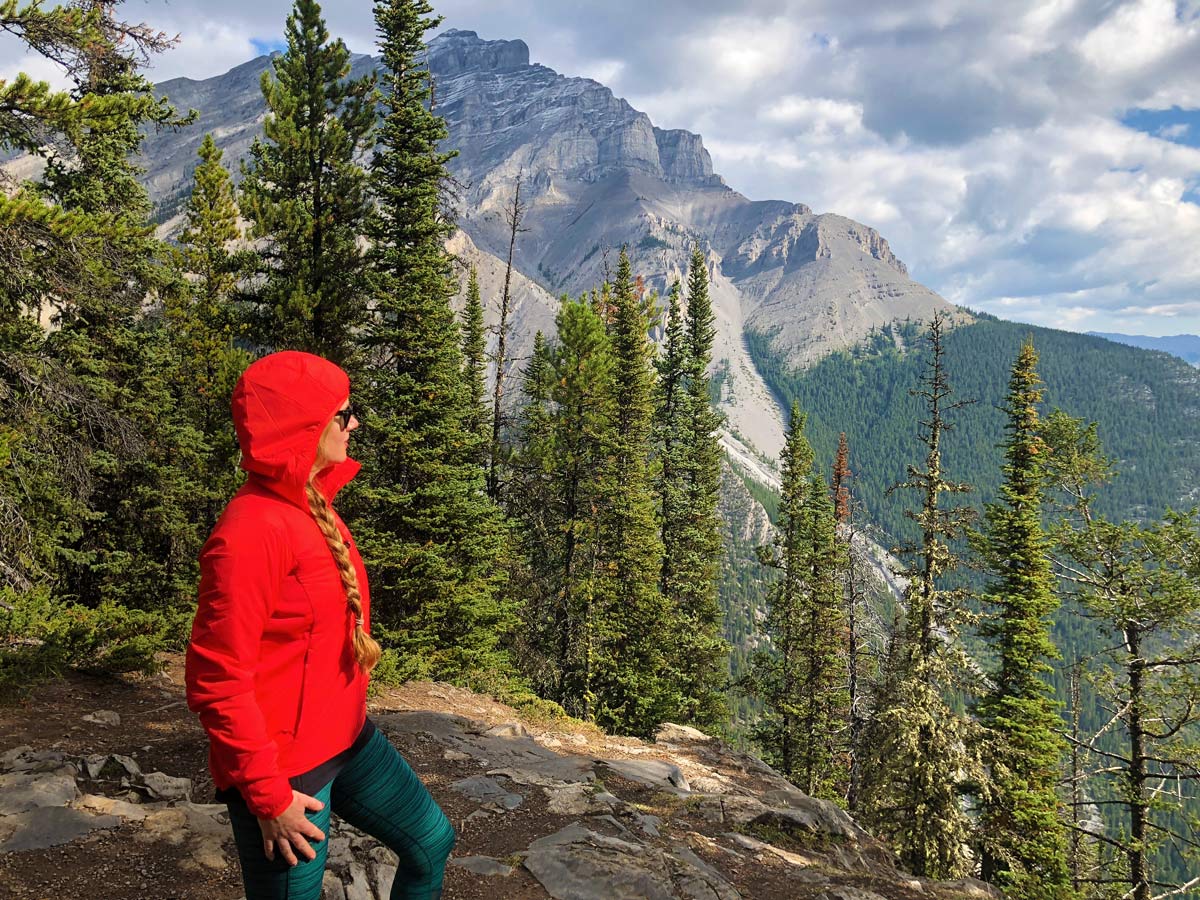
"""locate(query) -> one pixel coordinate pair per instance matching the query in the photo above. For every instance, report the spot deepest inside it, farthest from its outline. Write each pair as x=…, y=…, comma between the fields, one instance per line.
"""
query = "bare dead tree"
x=514, y=214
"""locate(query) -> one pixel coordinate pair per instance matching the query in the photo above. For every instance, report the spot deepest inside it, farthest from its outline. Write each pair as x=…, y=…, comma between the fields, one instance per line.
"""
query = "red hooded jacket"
x=270, y=667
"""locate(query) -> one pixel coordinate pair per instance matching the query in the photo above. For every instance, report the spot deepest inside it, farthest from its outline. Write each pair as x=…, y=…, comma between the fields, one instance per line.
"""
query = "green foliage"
x=1139, y=582
x=41, y=638
x=564, y=482
x=132, y=532
x=1145, y=405
x=211, y=216
x=530, y=506
x=306, y=194
x=742, y=590
x=475, y=359
x=688, y=488
x=627, y=659
x=801, y=679
x=921, y=760
x=1021, y=828
x=436, y=547
x=652, y=242
x=203, y=324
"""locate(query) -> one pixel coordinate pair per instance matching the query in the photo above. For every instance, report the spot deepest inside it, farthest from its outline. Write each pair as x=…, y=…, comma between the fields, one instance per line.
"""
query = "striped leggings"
x=377, y=792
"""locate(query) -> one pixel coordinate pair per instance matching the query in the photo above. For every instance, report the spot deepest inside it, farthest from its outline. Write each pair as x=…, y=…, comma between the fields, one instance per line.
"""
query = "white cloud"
x=1136, y=35
x=1167, y=310
x=36, y=67
x=819, y=118
x=1173, y=132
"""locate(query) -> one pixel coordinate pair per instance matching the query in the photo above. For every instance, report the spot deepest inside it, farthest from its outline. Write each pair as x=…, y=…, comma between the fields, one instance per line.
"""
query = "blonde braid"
x=366, y=650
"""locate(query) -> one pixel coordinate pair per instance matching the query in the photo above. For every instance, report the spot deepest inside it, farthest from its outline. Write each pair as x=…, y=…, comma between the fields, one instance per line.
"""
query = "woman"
x=280, y=652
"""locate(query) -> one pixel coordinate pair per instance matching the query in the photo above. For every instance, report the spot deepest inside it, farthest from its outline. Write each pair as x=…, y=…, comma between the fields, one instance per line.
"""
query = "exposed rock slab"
x=651, y=772
x=483, y=789
x=483, y=865
x=21, y=791
x=578, y=864
x=49, y=826
x=678, y=840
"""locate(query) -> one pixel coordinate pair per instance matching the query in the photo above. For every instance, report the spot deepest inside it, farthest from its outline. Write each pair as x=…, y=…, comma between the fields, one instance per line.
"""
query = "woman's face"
x=335, y=440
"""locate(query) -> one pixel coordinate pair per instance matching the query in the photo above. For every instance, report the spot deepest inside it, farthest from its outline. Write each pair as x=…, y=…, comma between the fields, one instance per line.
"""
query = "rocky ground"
x=104, y=793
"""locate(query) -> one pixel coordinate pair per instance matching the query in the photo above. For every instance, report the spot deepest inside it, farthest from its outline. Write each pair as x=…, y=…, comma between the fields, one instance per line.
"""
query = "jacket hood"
x=281, y=404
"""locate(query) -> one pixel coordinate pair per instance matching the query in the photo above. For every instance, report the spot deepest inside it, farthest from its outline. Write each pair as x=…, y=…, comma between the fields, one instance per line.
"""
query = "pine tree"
x=632, y=613
x=690, y=488
x=801, y=680
x=90, y=440
x=1141, y=583
x=532, y=505
x=841, y=480
x=857, y=582
x=211, y=218
x=581, y=451
x=668, y=416
x=306, y=194
x=921, y=748
x=203, y=323
x=1021, y=827
x=474, y=354
x=436, y=546
x=140, y=546
x=46, y=251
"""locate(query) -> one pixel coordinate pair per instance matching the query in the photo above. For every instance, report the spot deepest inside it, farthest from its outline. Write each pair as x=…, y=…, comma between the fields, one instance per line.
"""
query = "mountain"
x=596, y=175
x=1185, y=346
x=1147, y=407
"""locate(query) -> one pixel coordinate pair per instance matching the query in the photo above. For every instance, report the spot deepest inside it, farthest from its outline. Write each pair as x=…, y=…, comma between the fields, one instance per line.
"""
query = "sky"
x=1039, y=161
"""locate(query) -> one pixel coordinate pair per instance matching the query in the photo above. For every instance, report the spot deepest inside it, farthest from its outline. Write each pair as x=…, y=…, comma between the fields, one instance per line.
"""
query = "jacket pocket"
x=300, y=694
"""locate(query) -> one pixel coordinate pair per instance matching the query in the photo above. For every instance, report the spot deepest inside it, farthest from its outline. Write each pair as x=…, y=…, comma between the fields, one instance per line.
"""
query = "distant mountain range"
x=1185, y=346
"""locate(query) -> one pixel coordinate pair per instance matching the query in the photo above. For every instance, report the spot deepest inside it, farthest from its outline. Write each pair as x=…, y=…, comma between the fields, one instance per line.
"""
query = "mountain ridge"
x=597, y=174
x=1185, y=346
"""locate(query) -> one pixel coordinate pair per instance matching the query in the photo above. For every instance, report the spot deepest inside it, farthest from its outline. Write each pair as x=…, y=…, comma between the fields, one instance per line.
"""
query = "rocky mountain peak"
x=454, y=52
x=797, y=237
x=508, y=115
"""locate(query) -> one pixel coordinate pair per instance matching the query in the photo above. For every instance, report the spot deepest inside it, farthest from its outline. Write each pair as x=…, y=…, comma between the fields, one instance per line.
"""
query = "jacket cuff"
x=267, y=798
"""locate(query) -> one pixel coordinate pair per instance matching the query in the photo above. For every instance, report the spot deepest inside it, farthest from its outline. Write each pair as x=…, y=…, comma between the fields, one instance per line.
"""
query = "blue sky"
x=1181, y=126
x=1036, y=159
x=263, y=45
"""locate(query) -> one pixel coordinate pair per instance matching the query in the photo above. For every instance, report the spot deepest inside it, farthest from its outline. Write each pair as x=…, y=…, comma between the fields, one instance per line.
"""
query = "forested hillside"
x=1147, y=406
x=1147, y=409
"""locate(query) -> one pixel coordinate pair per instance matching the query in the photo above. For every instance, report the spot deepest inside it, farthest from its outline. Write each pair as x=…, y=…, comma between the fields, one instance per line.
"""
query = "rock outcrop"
x=565, y=811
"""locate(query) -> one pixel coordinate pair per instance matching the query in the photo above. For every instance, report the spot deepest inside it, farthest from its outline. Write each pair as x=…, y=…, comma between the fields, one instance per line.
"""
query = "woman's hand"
x=287, y=831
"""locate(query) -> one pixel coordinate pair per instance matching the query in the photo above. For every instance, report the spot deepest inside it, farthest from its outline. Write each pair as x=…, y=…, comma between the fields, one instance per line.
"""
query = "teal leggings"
x=377, y=792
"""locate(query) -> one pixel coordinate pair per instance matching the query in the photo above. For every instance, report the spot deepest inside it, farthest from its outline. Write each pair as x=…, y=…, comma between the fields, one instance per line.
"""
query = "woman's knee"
x=423, y=857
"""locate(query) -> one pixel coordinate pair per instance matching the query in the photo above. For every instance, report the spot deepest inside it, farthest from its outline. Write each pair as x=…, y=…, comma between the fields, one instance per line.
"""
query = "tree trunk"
x=1137, y=768
x=515, y=214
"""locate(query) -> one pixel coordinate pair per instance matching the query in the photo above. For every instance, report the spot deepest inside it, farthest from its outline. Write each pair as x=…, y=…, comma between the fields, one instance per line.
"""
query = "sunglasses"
x=344, y=416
